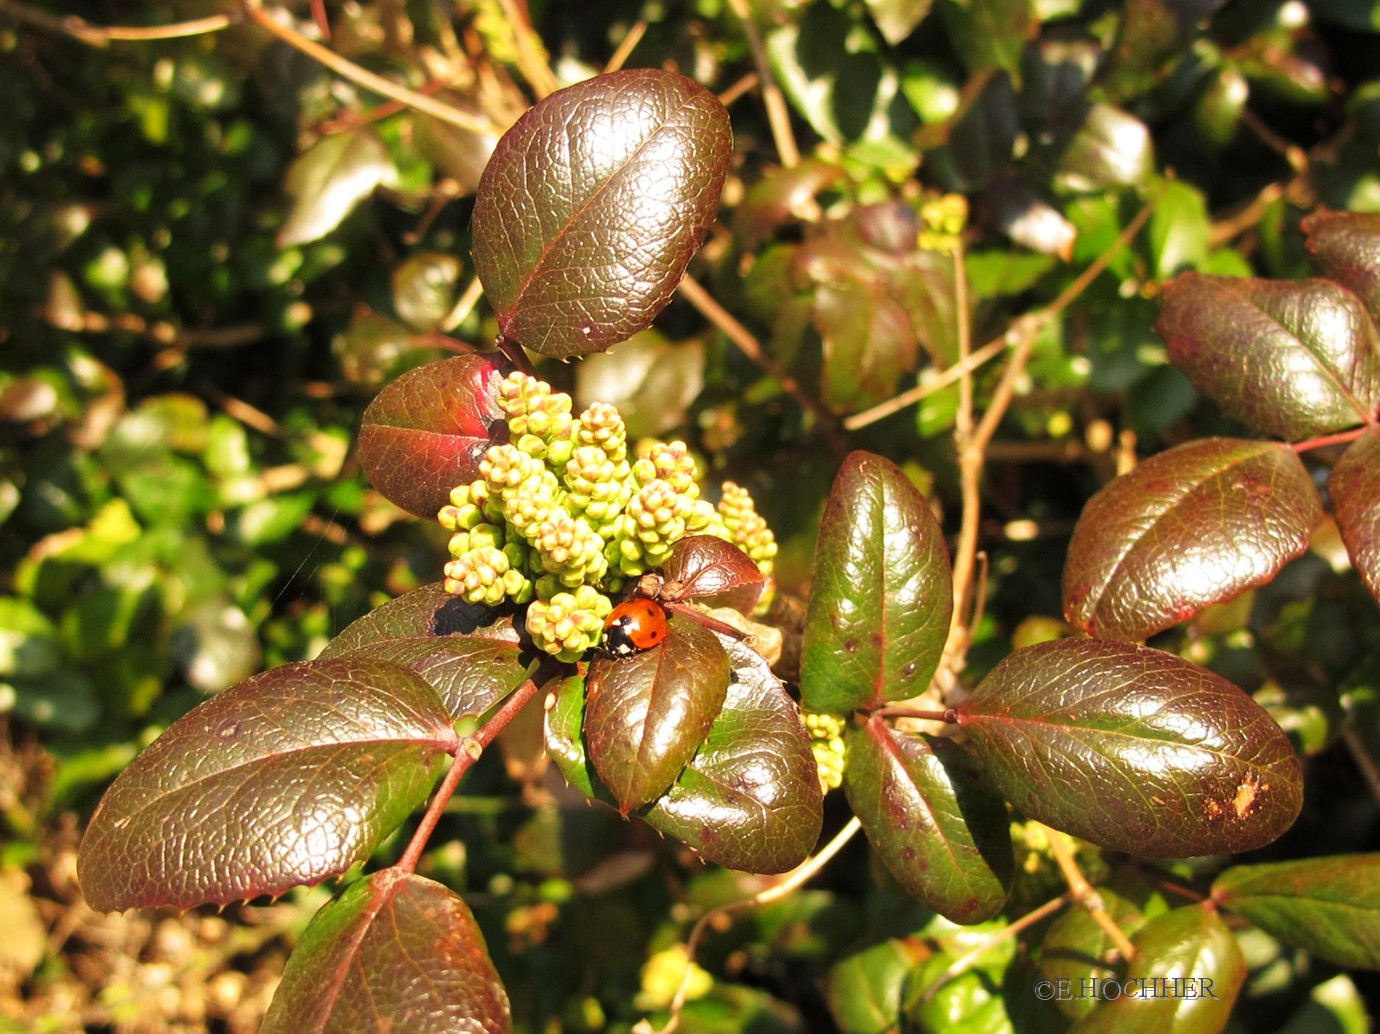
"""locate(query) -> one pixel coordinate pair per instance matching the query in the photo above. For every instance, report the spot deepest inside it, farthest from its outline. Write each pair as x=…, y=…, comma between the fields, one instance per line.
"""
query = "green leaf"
x=285, y=779
x=973, y=1001
x=395, y=952
x=1202, y=969
x=1134, y=749
x=897, y=19
x=329, y=180
x=424, y=289
x=1288, y=358
x=864, y=989
x=1190, y=527
x=990, y=34
x=1110, y=149
x=646, y=715
x=882, y=593
x=1355, y=489
x=426, y=432
x=651, y=380
x=1328, y=906
x=937, y=826
x=750, y=798
x=1178, y=230
x=1334, y=1005
x=593, y=204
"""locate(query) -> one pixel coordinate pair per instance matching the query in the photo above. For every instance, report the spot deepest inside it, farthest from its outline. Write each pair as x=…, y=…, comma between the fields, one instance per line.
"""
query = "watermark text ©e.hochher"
x=1104, y=990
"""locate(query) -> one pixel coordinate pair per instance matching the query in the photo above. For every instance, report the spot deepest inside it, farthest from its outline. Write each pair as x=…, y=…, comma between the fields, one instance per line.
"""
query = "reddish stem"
x=1329, y=439
x=470, y=750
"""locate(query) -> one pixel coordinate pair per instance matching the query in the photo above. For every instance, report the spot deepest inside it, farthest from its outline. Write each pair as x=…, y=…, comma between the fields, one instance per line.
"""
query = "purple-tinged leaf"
x=329, y=179
x=426, y=432
x=718, y=572
x=1134, y=749
x=1327, y=906
x=1287, y=358
x=782, y=196
x=1185, y=979
x=646, y=715
x=938, y=827
x=396, y=952
x=1190, y=527
x=750, y=797
x=1345, y=247
x=1355, y=489
x=285, y=779
x=593, y=204
x=882, y=594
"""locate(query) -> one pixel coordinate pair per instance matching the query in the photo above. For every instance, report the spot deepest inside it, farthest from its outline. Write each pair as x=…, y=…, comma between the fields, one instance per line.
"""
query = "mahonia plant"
x=584, y=222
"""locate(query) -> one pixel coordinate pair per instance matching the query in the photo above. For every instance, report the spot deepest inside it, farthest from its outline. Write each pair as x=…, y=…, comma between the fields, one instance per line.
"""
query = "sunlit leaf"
x=863, y=989
x=646, y=715
x=1287, y=358
x=426, y=432
x=1345, y=247
x=593, y=204
x=1134, y=749
x=1355, y=490
x=1188, y=528
x=1200, y=968
x=1328, y=906
x=652, y=381
x=707, y=568
x=935, y=823
x=329, y=180
x=882, y=594
x=285, y=779
x=897, y=19
x=1111, y=148
x=424, y=288
x=395, y=952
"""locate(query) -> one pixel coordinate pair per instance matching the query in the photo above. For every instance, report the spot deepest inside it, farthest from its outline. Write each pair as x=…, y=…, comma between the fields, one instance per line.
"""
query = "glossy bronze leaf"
x=285, y=779
x=396, y=952
x=1185, y=979
x=1355, y=490
x=716, y=572
x=1328, y=906
x=1287, y=358
x=428, y=611
x=882, y=594
x=646, y=715
x=426, y=432
x=1345, y=247
x=936, y=824
x=1188, y=528
x=593, y=204
x=1134, y=749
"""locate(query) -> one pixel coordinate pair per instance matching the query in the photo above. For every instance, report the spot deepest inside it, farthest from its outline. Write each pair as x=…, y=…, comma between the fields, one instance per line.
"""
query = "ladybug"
x=635, y=625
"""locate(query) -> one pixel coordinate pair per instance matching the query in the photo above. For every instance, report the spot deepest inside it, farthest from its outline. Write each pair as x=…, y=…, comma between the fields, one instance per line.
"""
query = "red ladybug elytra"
x=635, y=625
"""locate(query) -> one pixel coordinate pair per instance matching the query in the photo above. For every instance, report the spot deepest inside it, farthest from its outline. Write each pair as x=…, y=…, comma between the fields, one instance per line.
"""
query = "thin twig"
x=793, y=880
x=531, y=61
x=965, y=962
x=778, y=114
x=750, y=347
x=1085, y=894
x=102, y=35
x=349, y=70
x=942, y=380
x=629, y=44
x=473, y=292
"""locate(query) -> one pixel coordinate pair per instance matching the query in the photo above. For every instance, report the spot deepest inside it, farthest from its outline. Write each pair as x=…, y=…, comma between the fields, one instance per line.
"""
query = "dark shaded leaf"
x=991, y=34
x=939, y=828
x=1355, y=490
x=426, y=432
x=1202, y=969
x=1134, y=749
x=593, y=204
x=1188, y=528
x=1328, y=906
x=285, y=779
x=750, y=799
x=428, y=611
x=1288, y=358
x=646, y=715
x=396, y=952
x=329, y=179
x=882, y=593
x=705, y=567
x=374, y=347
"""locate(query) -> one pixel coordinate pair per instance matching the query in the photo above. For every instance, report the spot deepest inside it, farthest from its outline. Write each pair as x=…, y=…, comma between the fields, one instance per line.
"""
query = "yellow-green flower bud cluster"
x=942, y=221
x=826, y=743
x=561, y=517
